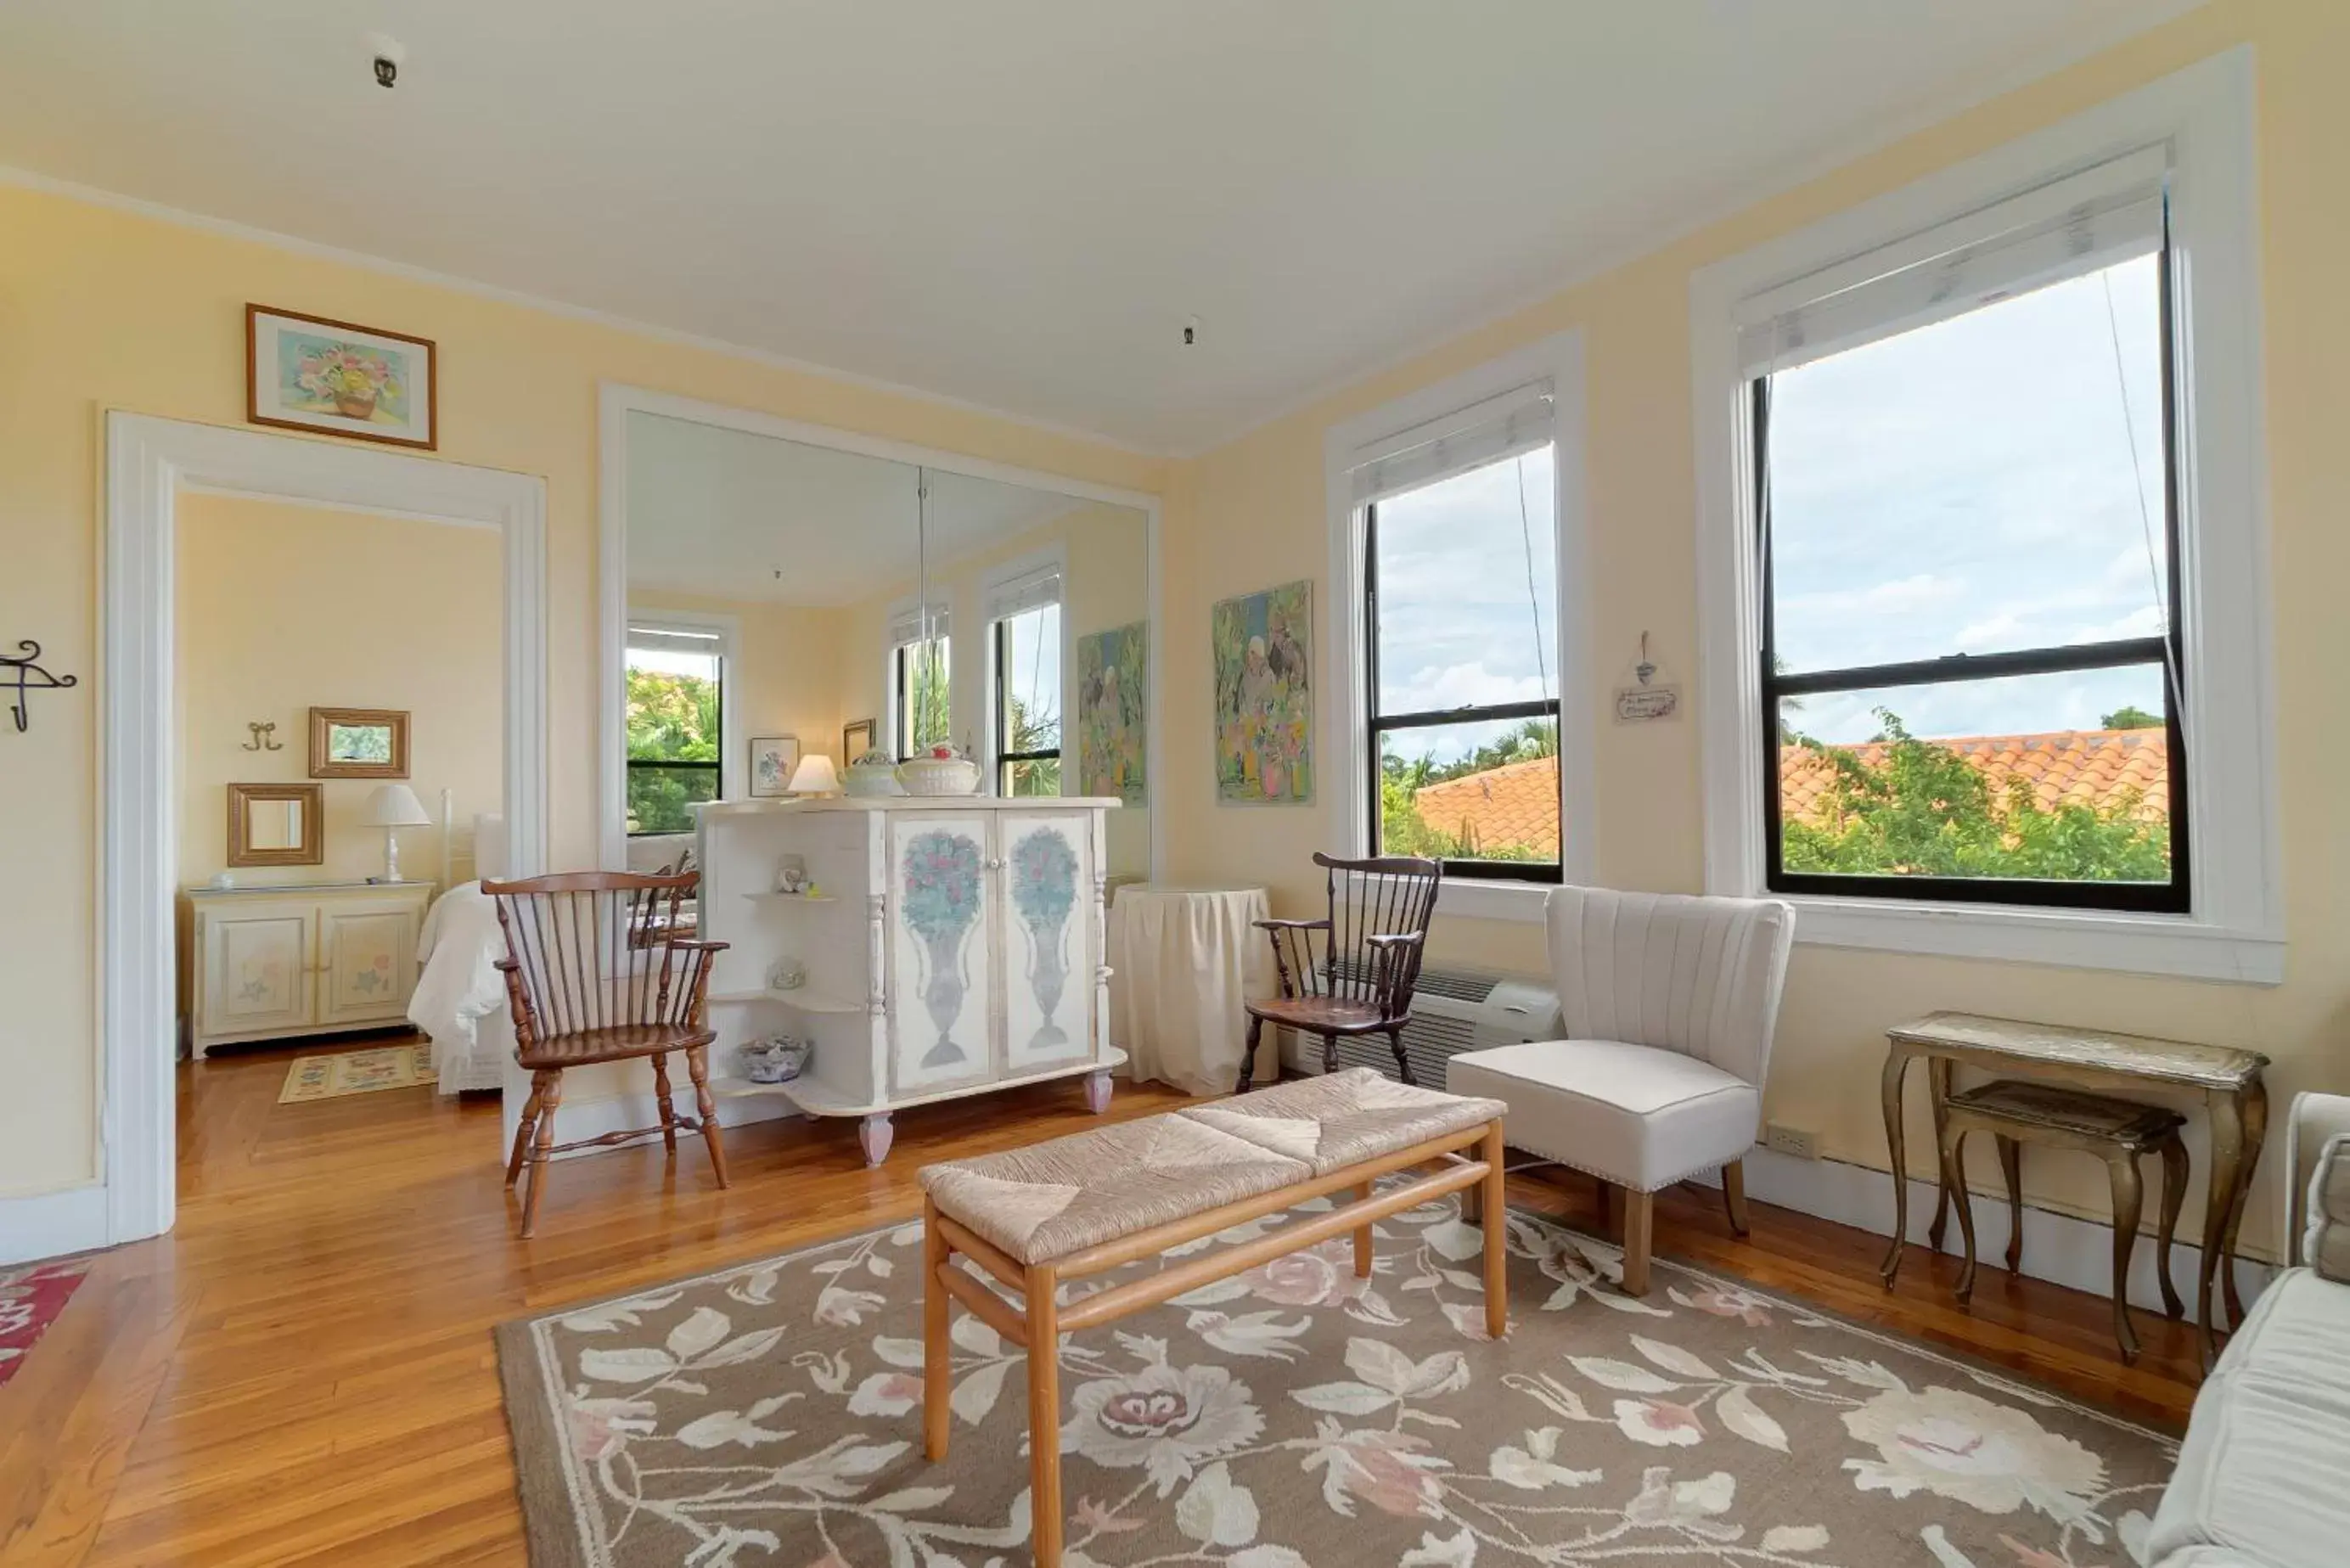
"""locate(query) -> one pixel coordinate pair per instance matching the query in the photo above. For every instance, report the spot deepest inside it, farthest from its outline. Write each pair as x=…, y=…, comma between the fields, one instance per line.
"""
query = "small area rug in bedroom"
x=357, y=1072
x=1295, y=1418
x=31, y=1296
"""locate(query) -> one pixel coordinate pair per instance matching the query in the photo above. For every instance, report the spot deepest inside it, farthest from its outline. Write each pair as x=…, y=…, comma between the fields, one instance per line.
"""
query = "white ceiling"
x=727, y=514
x=1013, y=203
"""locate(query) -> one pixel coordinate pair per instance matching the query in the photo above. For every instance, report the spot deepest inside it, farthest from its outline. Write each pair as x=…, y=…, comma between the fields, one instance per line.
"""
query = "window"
x=675, y=691
x=1981, y=554
x=1970, y=667
x=1027, y=696
x=1460, y=615
x=919, y=693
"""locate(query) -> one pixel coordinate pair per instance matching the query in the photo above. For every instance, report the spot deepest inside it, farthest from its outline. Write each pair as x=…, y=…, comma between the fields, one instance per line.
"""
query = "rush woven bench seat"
x=1081, y=1205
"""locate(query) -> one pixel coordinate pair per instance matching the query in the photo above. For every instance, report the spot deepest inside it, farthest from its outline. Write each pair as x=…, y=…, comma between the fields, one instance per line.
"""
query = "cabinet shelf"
x=804, y=1000
x=773, y=896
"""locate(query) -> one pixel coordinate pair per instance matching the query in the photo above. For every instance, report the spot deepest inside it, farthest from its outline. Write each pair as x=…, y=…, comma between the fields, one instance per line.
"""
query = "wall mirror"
x=779, y=587
x=276, y=825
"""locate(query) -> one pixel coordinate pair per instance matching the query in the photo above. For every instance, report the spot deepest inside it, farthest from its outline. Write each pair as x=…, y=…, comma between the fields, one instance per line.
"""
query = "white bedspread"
x=461, y=998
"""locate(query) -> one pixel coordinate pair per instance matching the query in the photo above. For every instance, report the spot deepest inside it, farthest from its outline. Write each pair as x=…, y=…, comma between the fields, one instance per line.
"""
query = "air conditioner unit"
x=1452, y=1011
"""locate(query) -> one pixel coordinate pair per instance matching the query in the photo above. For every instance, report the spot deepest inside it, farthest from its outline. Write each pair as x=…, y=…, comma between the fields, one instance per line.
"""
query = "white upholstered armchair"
x=1671, y=1003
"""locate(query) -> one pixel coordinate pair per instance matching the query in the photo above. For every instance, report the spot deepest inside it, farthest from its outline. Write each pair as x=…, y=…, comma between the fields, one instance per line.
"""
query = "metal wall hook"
x=23, y=669
x=264, y=738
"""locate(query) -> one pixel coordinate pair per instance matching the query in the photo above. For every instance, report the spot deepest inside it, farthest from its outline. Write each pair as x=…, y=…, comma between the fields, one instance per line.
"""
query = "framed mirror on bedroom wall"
x=778, y=592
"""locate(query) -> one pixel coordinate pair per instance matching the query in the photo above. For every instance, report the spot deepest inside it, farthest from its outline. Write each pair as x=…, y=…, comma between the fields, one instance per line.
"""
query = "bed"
x=460, y=997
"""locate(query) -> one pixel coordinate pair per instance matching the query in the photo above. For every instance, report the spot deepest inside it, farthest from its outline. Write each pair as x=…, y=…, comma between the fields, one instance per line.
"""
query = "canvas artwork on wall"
x=309, y=373
x=1264, y=695
x=1112, y=676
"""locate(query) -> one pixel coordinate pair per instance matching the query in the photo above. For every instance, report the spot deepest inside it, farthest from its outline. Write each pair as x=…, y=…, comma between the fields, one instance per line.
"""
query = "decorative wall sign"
x=310, y=373
x=1264, y=695
x=23, y=671
x=1646, y=698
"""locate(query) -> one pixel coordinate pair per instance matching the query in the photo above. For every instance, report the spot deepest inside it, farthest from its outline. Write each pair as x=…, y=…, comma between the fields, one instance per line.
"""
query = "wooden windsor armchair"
x=1370, y=946
x=596, y=972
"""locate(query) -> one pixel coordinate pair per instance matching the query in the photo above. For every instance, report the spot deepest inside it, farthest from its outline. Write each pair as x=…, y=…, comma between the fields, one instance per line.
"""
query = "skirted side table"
x=1182, y=962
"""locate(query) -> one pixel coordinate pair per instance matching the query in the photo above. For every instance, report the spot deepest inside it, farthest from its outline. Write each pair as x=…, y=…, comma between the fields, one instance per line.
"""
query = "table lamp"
x=392, y=807
x=815, y=775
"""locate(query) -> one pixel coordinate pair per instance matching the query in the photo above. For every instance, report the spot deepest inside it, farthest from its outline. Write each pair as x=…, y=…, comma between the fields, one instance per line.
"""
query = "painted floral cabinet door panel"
x=940, y=937
x=258, y=961
x=369, y=964
x=1048, y=941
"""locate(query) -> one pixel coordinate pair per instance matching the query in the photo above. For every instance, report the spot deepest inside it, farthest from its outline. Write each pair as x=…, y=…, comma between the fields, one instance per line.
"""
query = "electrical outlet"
x=1801, y=1142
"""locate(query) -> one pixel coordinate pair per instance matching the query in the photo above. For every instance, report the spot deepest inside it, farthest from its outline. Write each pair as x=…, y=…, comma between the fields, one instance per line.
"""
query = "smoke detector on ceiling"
x=389, y=54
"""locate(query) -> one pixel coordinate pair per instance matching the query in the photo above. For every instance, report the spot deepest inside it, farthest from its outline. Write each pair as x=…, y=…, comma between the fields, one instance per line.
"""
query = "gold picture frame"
x=339, y=378
x=276, y=824
x=855, y=740
x=359, y=743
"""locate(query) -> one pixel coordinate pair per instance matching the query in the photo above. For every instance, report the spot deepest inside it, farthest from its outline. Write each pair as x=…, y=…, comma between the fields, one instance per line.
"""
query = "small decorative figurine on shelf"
x=791, y=876
x=787, y=974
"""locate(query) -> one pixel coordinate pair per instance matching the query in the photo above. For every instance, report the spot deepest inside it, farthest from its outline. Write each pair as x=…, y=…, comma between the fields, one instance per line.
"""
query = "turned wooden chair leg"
x=697, y=1067
x=2174, y=1193
x=1403, y=1063
x=661, y=1094
x=524, y=1129
x=1363, y=1237
x=1044, y=1319
x=2011, y=1165
x=1733, y=1195
x=1248, y=1056
x=1329, y=1053
x=1639, y=1229
x=550, y=1099
x=938, y=1348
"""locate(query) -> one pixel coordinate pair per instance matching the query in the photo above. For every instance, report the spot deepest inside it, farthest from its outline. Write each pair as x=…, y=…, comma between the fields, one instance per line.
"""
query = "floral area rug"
x=357, y=1072
x=30, y=1299
x=1295, y=1418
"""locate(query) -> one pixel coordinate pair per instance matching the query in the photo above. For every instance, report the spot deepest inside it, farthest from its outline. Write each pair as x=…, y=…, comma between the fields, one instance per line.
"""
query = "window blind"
x=2068, y=228
x=1029, y=591
x=1516, y=421
x=676, y=640
x=905, y=626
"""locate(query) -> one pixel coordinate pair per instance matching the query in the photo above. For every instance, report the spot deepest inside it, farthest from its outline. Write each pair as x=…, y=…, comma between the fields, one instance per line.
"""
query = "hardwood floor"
x=301, y=1373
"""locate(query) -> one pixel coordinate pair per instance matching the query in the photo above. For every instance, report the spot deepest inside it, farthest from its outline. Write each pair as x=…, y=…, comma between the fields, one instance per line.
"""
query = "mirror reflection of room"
x=789, y=602
x=341, y=765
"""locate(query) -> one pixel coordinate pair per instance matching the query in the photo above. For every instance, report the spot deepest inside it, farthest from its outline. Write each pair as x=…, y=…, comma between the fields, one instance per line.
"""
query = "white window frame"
x=2203, y=117
x=734, y=751
x=1054, y=559
x=1345, y=730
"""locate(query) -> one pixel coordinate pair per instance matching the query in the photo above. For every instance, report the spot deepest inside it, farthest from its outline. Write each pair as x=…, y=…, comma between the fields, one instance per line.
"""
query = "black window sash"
x=718, y=787
x=2166, y=652
x=1378, y=725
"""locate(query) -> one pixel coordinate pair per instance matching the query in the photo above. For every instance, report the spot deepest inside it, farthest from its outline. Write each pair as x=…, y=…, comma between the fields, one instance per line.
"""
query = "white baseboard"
x=2058, y=1247
x=52, y=1224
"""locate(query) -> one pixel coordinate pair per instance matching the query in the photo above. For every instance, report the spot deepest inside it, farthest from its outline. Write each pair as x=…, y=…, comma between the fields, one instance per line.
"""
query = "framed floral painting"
x=310, y=373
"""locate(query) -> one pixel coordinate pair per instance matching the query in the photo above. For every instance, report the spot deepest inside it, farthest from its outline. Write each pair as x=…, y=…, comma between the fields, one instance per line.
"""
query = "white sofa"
x=2263, y=1479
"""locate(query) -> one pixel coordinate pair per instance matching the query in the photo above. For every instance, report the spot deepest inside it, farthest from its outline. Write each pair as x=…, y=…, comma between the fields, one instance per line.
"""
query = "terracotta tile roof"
x=1518, y=802
x=1514, y=804
x=2096, y=768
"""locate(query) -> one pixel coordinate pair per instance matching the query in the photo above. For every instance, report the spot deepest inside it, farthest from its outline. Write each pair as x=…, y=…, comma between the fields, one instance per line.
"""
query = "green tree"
x=671, y=718
x=2130, y=717
x=926, y=709
x=1402, y=829
x=1926, y=811
x=1027, y=732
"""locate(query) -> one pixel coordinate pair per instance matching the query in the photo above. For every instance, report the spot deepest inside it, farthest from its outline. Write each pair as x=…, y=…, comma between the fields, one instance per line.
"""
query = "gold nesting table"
x=2229, y=1081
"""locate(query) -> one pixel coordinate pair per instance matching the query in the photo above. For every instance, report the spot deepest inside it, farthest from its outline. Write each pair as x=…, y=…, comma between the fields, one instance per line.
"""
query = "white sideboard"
x=955, y=946
x=266, y=963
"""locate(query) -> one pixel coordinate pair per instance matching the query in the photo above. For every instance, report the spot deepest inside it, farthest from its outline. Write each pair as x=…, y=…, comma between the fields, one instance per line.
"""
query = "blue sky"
x=1968, y=487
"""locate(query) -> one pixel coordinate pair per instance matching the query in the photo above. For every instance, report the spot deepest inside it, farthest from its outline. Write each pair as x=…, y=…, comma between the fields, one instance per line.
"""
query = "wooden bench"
x=1079, y=1206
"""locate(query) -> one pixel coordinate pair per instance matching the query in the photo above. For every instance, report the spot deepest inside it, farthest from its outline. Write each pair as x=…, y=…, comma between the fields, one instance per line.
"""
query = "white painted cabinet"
x=956, y=947
x=263, y=963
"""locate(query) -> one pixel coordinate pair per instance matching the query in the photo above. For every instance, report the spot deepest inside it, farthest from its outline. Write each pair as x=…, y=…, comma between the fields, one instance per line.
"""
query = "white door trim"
x=148, y=462
x=617, y=400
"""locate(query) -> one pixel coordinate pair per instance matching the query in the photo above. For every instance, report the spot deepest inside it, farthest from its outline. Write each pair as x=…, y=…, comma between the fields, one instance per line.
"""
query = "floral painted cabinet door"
x=258, y=966
x=1049, y=941
x=940, y=937
x=367, y=964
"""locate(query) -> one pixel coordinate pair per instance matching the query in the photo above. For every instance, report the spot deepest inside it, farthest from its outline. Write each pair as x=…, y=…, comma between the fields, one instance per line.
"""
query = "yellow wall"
x=101, y=308
x=1251, y=513
x=283, y=608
